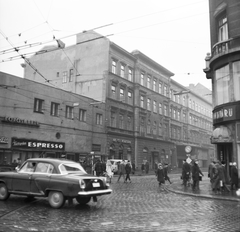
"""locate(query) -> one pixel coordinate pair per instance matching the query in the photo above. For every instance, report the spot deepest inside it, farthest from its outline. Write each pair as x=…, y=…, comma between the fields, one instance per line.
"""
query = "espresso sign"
x=36, y=144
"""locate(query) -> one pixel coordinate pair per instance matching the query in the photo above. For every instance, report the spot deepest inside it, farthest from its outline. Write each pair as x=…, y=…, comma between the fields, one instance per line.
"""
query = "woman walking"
x=160, y=174
x=109, y=171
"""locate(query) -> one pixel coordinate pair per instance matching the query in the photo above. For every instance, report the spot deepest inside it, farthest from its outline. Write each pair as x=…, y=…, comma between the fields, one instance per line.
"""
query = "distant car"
x=57, y=179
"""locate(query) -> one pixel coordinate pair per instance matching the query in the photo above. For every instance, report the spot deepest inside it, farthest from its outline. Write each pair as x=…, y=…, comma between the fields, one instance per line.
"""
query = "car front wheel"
x=83, y=200
x=4, y=194
x=56, y=199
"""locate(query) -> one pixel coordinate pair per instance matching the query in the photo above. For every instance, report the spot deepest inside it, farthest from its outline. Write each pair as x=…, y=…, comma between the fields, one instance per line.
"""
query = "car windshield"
x=66, y=168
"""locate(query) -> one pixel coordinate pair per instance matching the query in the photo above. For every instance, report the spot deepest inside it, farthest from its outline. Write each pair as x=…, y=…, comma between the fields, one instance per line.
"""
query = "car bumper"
x=95, y=192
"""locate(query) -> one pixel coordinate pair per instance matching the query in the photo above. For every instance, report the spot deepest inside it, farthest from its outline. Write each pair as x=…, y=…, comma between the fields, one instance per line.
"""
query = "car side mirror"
x=17, y=169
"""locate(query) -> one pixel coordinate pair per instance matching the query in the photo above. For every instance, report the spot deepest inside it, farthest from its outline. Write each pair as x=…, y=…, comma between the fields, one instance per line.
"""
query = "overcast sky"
x=174, y=33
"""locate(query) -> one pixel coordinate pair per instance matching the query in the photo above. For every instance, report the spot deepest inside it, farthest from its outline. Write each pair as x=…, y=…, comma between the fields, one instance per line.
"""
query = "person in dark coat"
x=133, y=168
x=196, y=172
x=147, y=167
x=121, y=171
x=128, y=169
x=165, y=170
x=98, y=168
x=211, y=170
x=234, y=176
x=160, y=174
x=143, y=167
x=186, y=169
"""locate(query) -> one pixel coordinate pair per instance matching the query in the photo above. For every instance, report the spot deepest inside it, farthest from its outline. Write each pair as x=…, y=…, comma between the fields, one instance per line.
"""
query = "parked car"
x=57, y=179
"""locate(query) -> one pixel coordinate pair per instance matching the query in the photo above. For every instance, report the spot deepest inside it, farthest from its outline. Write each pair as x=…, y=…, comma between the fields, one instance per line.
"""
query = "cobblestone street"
x=138, y=206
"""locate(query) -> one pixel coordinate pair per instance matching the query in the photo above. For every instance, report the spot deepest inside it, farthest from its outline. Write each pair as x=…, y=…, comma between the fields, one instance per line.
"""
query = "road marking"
x=155, y=224
x=107, y=223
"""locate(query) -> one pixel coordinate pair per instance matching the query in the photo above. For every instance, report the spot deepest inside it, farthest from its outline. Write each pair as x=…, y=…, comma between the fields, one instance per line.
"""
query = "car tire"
x=4, y=194
x=83, y=200
x=56, y=199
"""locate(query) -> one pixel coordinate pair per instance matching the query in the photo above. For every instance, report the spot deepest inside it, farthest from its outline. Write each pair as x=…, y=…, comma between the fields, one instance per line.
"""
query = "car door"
x=21, y=181
x=40, y=178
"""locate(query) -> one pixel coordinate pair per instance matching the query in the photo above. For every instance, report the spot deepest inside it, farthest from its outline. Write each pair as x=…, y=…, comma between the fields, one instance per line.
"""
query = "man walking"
x=122, y=171
x=186, y=168
x=128, y=169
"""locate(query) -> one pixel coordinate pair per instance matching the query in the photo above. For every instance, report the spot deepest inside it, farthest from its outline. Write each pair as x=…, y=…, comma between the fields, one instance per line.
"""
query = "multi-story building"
x=135, y=89
x=38, y=120
x=223, y=67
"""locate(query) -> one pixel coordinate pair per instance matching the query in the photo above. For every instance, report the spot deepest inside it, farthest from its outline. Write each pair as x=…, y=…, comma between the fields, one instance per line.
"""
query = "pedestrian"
x=103, y=167
x=143, y=167
x=128, y=170
x=121, y=171
x=160, y=174
x=147, y=167
x=98, y=168
x=133, y=168
x=186, y=169
x=234, y=176
x=155, y=167
x=211, y=170
x=196, y=172
x=165, y=170
x=109, y=172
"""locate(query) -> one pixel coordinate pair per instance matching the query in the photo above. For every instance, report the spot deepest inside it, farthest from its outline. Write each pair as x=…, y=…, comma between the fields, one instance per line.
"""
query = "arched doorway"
x=120, y=152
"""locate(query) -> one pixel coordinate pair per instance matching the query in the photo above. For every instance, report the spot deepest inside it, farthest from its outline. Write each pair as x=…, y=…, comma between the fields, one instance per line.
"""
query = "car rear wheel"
x=83, y=200
x=56, y=199
x=4, y=194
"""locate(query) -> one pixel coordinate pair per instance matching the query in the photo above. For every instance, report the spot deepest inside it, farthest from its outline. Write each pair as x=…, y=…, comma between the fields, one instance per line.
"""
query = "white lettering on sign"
x=21, y=121
x=121, y=140
x=223, y=113
x=3, y=139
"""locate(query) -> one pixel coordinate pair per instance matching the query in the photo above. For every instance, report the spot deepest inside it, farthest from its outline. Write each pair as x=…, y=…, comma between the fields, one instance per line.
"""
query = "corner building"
x=223, y=67
x=134, y=88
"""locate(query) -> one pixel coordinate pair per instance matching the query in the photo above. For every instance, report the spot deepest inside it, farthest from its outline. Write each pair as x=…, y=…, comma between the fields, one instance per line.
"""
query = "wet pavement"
x=142, y=205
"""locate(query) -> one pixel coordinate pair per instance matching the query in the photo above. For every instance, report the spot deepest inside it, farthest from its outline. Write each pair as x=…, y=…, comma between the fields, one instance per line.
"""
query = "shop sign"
x=227, y=113
x=37, y=144
x=3, y=140
x=221, y=139
x=121, y=140
x=21, y=121
x=96, y=147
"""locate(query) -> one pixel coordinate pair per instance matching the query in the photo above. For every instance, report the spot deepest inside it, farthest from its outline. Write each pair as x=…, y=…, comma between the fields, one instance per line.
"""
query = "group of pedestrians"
x=125, y=168
x=217, y=172
x=191, y=174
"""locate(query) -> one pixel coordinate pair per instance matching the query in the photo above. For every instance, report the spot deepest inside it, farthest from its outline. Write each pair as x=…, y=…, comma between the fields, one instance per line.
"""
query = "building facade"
x=223, y=67
x=42, y=121
x=135, y=90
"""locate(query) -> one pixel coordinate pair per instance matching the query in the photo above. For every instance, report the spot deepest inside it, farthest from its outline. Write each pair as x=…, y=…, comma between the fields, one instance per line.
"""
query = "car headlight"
x=82, y=184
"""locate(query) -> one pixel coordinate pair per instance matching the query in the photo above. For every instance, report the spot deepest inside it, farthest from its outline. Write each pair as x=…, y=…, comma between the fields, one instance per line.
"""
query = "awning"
x=221, y=134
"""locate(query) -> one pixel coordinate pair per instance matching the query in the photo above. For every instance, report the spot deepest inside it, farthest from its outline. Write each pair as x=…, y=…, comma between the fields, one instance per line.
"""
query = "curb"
x=203, y=195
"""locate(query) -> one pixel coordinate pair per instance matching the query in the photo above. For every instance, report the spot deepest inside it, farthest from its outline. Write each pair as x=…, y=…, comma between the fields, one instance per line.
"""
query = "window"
x=160, y=87
x=149, y=104
x=149, y=127
x=65, y=77
x=165, y=110
x=160, y=108
x=160, y=129
x=122, y=72
x=113, y=88
x=193, y=105
x=69, y=112
x=149, y=82
x=142, y=101
x=154, y=85
x=174, y=114
x=236, y=79
x=70, y=75
x=130, y=99
x=222, y=85
x=130, y=74
x=222, y=28
x=121, y=126
x=142, y=79
x=154, y=128
x=165, y=90
x=170, y=112
x=113, y=119
x=190, y=103
x=165, y=130
x=184, y=101
x=99, y=119
x=114, y=67
x=122, y=98
x=129, y=123
x=178, y=99
x=38, y=105
x=55, y=109
x=171, y=94
x=178, y=115
x=154, y=106
x=184, y=117
x=142, y=126
x=174, y=98
x=82, y=115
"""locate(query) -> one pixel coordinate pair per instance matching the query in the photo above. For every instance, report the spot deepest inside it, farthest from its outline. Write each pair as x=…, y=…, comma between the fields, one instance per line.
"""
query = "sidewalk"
x=205, y=189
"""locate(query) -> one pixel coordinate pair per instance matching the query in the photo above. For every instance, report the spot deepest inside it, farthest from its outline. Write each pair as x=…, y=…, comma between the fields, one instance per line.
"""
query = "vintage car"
x=57, y=179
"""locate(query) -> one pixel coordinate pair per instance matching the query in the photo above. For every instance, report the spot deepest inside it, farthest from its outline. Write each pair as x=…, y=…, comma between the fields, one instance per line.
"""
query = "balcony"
x=225, y=47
